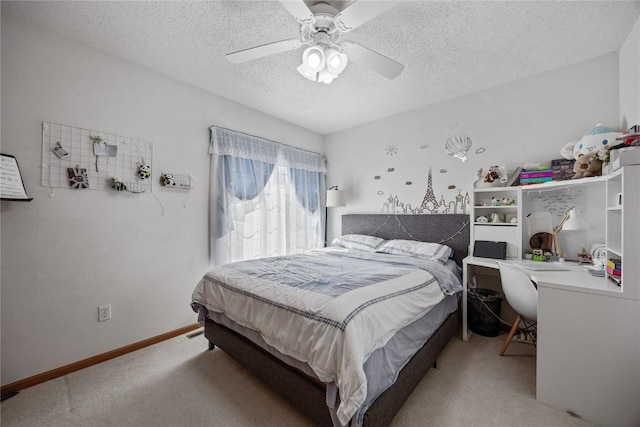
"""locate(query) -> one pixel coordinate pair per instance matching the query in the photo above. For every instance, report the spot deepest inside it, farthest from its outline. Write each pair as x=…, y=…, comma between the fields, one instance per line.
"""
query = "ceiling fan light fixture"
x=321, y=27
x=306, y=72
x=314, y=58
x=325, y=76
x=336, y=61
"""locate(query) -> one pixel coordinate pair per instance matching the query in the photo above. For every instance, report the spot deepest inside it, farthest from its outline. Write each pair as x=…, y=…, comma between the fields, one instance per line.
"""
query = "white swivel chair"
x=521, y=294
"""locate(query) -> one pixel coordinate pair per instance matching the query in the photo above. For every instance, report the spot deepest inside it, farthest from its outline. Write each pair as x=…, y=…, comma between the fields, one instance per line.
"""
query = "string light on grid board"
x=164, y=210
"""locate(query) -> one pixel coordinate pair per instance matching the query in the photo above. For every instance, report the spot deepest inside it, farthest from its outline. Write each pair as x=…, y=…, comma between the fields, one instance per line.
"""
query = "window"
x=266, y=197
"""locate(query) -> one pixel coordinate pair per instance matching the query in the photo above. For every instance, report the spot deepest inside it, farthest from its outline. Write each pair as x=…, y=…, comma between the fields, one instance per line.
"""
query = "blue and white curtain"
x=266, y=198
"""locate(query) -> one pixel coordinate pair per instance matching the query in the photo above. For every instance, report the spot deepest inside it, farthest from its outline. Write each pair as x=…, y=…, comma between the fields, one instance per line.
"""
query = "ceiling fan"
x=321, y=29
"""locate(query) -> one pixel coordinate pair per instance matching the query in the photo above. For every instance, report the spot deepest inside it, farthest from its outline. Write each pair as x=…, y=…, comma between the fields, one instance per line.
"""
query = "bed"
x=331, y=379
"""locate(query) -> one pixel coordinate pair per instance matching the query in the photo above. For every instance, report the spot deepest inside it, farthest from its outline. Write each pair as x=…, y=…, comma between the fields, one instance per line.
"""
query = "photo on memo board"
x=78, y=177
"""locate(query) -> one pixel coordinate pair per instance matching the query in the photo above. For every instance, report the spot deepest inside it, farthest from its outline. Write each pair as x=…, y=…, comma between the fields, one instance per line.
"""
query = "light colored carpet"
x=179, y=383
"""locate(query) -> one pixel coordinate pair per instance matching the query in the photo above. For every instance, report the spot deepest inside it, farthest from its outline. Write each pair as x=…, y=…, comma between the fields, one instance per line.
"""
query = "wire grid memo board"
x=101, y=170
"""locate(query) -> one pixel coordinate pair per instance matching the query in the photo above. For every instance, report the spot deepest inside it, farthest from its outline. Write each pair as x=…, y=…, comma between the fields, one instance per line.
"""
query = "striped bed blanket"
x=328, y=308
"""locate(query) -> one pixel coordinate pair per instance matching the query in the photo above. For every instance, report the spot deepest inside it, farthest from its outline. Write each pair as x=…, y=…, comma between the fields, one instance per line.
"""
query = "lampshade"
x=336, y=61
x=571, y=221
x=313, y=58
x=325, y=77
x=321, y=63
x=575, y=221
x=306, y=72
x=336, y=198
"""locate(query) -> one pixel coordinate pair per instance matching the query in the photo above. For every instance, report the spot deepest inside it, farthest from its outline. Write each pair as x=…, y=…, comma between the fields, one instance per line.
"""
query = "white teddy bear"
x=594, y=140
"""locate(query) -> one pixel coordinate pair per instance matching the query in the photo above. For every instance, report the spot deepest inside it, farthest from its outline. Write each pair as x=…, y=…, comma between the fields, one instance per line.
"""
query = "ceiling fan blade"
x=359, y=12
x=263, y=50
x=300, y=11
x=373, y=60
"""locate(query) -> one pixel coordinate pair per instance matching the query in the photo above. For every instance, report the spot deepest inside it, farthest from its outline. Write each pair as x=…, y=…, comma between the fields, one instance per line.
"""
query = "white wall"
x=630, y=79
x=524, y=121
x=63, y=256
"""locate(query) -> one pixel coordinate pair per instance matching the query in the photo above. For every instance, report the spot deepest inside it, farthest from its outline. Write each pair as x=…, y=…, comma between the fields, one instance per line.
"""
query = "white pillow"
x=358, y=241
x=427, y=250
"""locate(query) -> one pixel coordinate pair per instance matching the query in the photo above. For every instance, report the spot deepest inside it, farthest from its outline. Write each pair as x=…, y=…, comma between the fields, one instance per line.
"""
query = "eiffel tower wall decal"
x=430, y=203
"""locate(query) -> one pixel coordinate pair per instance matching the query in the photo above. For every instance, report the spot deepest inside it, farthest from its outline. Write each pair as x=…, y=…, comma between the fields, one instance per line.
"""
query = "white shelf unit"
x=588, y=356
x=504, y=231
x=588, y=352
x=556, y=197
x=623, y=227
x=587, y=195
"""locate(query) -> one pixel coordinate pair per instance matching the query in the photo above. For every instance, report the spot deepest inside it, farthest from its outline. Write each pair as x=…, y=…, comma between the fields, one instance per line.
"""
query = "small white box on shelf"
x=626, y=156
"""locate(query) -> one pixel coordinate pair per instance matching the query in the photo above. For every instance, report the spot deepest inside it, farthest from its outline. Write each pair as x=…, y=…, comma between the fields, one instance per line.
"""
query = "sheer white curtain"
x=266, y=198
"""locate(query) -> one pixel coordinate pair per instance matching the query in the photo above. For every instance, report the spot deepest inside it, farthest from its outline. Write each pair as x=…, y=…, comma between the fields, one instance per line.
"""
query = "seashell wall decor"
x=458, y=146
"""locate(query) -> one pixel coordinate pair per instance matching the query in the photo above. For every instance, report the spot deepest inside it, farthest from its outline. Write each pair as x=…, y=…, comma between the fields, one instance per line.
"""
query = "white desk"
x=588, y=343
x=575, y=279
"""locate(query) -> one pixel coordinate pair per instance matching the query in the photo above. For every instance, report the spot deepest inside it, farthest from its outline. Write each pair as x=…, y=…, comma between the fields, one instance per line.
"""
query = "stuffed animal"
x=144, y=171
x=587, y=165
x=594, y=140
x=118, y=185
x=496, y=177
x=168, y=180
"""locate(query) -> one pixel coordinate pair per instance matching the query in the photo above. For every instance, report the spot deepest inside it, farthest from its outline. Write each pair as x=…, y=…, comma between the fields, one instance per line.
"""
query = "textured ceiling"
x=449, y=48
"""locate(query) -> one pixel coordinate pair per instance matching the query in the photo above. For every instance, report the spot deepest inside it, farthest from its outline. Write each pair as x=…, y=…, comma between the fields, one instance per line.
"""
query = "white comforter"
x=334, y=332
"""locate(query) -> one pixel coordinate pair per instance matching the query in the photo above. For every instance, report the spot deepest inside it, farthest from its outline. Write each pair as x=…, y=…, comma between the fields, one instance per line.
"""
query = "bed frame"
x=308, y=394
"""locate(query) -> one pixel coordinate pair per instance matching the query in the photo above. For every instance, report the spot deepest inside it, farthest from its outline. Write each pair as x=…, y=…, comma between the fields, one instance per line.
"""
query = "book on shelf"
x=615, y=264
x=536, y=174
x=562, y=169
x=613, y=272
x=525, y=181
x=614, y=279
x=514, y=178
x=614, y=268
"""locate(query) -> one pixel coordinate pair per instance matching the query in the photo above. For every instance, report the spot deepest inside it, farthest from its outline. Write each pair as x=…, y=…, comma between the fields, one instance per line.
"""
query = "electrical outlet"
x=104, y=313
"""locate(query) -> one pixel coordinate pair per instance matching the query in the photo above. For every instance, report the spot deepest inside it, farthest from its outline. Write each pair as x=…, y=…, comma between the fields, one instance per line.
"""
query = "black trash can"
x=481, y=303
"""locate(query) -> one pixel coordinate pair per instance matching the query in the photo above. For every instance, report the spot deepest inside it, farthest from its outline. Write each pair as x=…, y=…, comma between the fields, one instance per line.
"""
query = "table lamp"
x=336, y=198
x=572, y=220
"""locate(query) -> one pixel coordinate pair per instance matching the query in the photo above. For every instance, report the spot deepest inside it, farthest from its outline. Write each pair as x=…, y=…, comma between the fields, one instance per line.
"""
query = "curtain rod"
x=275, y=142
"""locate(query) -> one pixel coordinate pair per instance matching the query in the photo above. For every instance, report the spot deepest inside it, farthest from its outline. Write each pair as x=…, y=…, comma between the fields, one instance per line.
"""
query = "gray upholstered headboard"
x=449, y=229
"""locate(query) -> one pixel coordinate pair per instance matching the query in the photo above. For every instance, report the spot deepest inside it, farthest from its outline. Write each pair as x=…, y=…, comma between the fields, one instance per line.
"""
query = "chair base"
x=528, y=331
